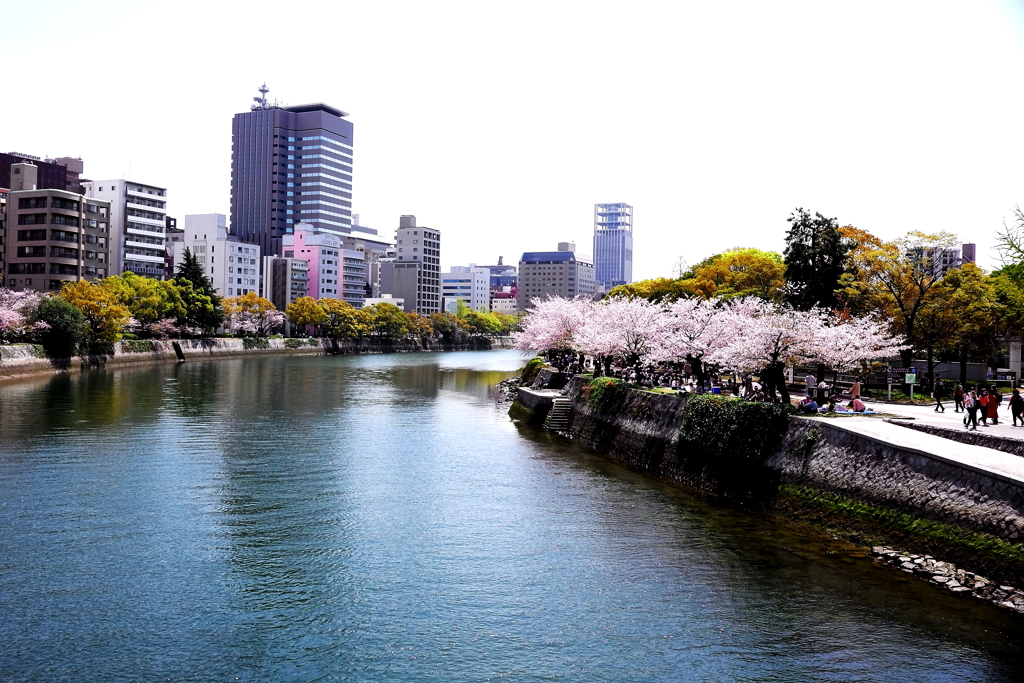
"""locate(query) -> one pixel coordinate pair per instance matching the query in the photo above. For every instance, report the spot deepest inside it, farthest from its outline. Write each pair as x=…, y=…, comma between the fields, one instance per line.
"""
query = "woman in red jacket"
x=983, y=402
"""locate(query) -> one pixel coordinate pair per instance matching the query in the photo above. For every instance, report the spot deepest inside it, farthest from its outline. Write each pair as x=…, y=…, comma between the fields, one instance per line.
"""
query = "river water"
x=379, y=518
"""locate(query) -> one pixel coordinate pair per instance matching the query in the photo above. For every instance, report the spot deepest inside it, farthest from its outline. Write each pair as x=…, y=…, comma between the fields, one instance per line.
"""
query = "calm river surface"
x=379, y=518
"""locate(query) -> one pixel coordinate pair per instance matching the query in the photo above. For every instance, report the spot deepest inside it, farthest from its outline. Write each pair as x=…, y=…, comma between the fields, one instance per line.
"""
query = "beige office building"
x=555, y=273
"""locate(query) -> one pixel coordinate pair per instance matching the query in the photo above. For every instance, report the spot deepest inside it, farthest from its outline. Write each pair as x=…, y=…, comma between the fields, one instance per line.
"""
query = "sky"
x=501, y=124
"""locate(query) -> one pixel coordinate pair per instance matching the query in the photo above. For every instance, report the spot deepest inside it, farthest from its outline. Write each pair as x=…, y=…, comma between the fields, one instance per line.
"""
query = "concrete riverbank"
x=875, y=483
x=23, y=360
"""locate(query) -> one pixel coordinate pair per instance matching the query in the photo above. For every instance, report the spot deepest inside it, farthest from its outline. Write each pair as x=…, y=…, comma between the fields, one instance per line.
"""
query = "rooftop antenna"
x=261, y=102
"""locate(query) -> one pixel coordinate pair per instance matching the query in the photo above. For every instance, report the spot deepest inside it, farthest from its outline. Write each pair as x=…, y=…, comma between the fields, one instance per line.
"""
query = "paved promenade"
x=998, y=463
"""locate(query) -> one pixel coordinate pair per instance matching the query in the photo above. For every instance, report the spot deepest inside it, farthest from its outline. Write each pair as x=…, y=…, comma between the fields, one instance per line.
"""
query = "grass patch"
x=530, y=371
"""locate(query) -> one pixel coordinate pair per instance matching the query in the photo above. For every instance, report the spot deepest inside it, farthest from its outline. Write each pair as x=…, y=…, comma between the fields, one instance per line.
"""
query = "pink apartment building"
x=334, y=271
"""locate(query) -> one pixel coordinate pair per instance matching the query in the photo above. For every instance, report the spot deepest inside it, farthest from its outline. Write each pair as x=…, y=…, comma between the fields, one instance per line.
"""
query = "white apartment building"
x=138, y=218
x=467, y=284
x=232, y=266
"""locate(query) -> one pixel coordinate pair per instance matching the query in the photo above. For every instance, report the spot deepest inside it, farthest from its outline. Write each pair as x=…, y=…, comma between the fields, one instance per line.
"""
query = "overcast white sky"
x=501, y=124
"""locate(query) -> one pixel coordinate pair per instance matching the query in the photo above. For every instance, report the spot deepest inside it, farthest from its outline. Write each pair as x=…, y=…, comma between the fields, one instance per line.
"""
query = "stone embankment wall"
x=643, y=434
x=826, y=457
x=27, y=359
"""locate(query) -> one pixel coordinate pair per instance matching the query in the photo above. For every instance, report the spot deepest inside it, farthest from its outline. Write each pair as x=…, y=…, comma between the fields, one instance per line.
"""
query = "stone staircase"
x=558, y=417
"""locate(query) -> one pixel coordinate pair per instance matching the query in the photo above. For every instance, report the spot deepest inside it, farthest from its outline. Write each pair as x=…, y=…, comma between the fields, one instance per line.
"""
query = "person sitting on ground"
x=857, y=405
x=807, y=405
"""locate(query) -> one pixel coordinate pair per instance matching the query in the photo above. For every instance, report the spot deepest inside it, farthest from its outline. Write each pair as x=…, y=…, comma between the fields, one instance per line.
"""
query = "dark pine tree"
x=815, y=260
x=190, y=269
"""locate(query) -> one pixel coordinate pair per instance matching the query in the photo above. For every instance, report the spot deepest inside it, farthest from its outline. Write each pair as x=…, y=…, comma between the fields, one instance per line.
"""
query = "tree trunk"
x=907, y=356
x=697, y=367
x=931, y=364
x=779, y=370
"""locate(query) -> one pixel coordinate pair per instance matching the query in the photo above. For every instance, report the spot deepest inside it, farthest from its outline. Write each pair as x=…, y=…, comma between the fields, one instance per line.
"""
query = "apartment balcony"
x=143, y=257
x=144, y=245
x=146, y=207
x=146, y=195
x=146, y=233
x=147, y=221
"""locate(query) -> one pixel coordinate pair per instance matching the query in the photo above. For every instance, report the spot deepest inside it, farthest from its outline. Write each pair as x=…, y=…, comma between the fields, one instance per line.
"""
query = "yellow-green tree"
x=105, y=317
x=387, y=321
x=656, y=290
x=737, y=272
x=418, y=325
x=147, y=299
x=897, y=280
x=482, y=323
x=305, y=311
x=341, y=320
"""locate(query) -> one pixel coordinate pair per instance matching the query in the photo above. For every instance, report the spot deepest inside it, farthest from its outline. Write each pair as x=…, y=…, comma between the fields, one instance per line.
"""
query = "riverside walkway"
x=979, y=458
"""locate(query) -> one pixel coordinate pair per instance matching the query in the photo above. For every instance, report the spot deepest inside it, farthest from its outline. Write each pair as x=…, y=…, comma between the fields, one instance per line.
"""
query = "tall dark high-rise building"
x=290, y=164
x=613, y=244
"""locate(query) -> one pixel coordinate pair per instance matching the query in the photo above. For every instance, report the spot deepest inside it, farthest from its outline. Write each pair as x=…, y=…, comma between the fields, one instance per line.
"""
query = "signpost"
x=909, y=378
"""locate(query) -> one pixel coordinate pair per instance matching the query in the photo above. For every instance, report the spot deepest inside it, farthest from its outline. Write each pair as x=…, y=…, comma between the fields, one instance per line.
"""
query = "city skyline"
x=734, y=116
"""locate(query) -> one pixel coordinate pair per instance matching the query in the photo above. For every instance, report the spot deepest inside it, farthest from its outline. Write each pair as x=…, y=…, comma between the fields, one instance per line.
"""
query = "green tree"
x=450, y=328
x=815, y=259
x=202, y=315
x=147, y=299
x=898, y=280
x=66, y=329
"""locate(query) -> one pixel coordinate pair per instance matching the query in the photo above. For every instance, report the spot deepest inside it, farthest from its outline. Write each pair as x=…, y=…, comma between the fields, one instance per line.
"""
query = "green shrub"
x=530, y=371
x=137, y=345
x=67, y=327
x=255, y=343
x=291, y=343
x=312, y=341
x=606, y=394
x=740, y=431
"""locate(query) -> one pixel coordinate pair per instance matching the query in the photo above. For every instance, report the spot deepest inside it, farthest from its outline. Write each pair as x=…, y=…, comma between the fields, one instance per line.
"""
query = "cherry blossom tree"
x=696, y=327
x=16, y=308
x=769, y=338
x=848, y=344
x=552, y=323
x=632, y=328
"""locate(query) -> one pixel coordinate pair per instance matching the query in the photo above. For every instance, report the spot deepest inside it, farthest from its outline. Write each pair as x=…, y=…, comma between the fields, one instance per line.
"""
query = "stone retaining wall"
x=827, y=458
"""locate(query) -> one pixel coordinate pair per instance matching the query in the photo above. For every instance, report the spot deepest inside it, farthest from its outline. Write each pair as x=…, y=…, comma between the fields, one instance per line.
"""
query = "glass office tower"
x=290, y=164
x=613, y=245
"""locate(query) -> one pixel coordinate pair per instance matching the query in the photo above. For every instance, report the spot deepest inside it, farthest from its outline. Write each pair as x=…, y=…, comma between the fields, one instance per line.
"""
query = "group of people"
x=822, y=397
x=981, y=403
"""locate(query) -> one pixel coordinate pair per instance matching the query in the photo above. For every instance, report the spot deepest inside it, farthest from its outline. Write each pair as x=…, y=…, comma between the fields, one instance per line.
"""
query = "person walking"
x=958, y=398
x=971, y=402
x=995, y=397
x=937, y=391
x=983, y=400
x=1017, y=407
